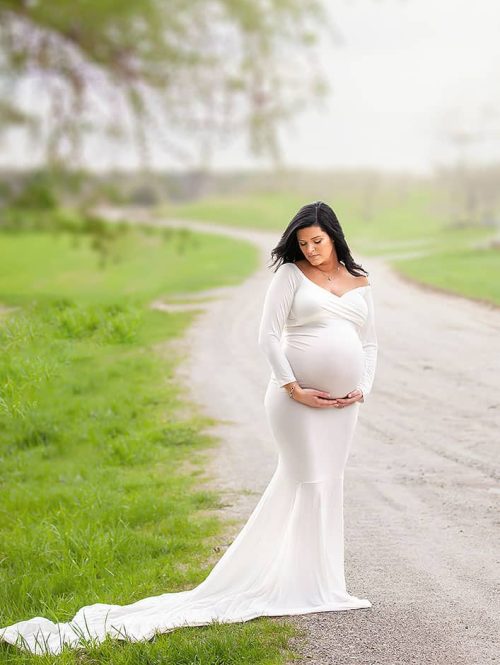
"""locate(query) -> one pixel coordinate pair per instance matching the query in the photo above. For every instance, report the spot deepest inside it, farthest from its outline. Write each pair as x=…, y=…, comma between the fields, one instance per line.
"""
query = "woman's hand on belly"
x=318, y=399
x=350, y=398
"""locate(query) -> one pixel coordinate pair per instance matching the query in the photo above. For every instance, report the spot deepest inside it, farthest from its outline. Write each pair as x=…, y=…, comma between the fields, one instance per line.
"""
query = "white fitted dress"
x=289, y=556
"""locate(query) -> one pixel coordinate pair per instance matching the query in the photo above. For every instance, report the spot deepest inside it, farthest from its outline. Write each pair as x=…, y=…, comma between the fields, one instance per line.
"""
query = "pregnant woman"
x=318, y=334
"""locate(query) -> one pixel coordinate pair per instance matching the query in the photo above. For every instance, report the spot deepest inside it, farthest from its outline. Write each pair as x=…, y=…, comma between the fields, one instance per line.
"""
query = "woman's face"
x=316, y=245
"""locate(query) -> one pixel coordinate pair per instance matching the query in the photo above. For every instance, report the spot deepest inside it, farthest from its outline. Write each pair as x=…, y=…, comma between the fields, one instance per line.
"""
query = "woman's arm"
x=368, y=336
x=277, y=304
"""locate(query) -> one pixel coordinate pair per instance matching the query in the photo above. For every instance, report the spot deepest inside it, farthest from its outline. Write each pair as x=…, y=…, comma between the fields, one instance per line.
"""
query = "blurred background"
x=240, y=112
x=235, y=112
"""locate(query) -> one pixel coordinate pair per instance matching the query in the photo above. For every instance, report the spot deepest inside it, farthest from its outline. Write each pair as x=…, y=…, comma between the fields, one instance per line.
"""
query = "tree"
x=160, y=69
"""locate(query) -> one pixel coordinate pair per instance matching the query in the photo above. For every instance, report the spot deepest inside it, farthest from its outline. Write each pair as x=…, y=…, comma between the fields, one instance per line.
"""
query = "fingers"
x=341, y=402
x=322, y=402
x=350, y=398
x=324, y=399
x=346, y=402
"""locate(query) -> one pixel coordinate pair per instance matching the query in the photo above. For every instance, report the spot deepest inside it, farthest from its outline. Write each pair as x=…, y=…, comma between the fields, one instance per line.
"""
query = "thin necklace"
x=330, y=279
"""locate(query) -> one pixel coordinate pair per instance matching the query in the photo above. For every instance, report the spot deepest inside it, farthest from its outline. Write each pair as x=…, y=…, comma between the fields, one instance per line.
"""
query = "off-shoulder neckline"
x=364, y=286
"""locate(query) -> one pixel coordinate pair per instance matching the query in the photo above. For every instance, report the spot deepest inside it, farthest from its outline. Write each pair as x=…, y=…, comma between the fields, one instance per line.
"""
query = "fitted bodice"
x=304, y=325
x=313, y=303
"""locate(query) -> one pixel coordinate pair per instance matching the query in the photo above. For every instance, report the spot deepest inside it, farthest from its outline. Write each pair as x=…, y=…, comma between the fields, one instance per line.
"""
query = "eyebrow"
x=311, y=238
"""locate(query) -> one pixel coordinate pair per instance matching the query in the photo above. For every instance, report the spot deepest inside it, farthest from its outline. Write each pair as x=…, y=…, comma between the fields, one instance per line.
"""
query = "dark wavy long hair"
x=319, y=214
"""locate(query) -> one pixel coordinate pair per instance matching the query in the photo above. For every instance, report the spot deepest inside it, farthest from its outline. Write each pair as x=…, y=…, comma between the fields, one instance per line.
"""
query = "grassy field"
x=400, y=225
x=397, y=219
x=471, y=274
x=101, y=478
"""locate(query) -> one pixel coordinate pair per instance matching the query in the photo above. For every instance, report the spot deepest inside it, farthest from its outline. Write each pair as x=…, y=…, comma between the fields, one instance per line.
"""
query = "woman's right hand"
x=318, y=399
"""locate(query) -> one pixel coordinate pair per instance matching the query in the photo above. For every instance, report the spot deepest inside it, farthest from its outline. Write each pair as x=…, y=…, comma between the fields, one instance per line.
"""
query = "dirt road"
x=421, y=499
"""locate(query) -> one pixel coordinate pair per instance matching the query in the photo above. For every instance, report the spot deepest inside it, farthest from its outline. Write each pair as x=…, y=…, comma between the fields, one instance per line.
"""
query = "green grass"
x=399, y=224
x=103, y=498
x=53, y=266
x=471, y=274
x=395, y=218
x=260, y=211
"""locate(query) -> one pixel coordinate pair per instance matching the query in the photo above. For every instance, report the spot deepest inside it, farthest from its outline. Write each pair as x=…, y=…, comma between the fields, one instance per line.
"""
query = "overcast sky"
x=404, y=71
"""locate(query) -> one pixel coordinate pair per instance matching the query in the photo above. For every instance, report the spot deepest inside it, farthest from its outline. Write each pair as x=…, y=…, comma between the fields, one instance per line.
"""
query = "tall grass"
x=102, y=480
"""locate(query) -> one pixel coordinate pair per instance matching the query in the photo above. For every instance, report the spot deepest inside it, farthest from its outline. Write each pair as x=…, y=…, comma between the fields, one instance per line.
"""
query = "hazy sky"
x=404, y=71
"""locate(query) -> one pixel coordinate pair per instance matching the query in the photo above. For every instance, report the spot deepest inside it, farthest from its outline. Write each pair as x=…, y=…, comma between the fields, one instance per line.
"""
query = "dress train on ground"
x=289, y=556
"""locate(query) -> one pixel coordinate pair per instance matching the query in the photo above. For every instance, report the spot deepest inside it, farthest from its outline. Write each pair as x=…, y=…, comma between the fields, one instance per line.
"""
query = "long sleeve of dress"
x=277, y=303
x=368, y=336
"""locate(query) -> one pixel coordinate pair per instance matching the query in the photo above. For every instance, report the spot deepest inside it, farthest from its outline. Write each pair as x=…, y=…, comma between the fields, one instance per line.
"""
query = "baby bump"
x=329, y=358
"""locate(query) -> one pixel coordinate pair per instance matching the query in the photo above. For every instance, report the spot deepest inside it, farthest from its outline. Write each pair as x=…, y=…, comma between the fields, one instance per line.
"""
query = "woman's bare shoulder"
x=362, y=280
x=303, y=265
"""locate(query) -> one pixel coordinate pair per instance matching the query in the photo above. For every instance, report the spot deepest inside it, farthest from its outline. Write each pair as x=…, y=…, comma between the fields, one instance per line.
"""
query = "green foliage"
x=33, y=203
x=168, y=64
x=37, y=194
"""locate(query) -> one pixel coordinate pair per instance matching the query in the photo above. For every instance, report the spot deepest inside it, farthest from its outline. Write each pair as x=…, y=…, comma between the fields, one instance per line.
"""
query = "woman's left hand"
x=350, y=398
